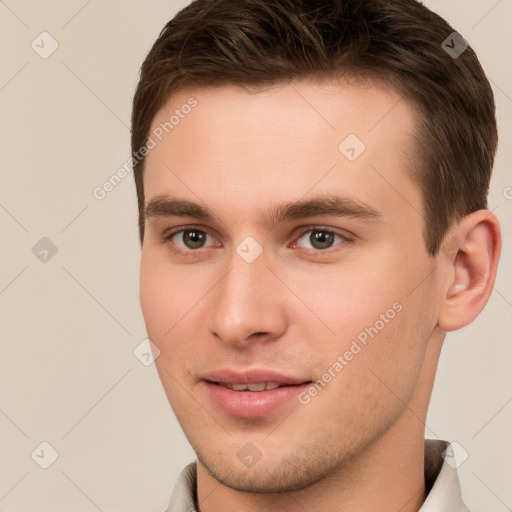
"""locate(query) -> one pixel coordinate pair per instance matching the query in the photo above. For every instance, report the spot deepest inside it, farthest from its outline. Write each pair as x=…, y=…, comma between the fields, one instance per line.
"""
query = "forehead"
x=241, y=148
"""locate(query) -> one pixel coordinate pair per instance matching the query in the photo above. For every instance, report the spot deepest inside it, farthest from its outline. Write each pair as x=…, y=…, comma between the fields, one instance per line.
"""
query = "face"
x=284, y=276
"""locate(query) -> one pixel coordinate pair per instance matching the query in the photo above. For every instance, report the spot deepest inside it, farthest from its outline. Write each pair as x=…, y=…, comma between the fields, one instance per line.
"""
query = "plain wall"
x=68, y=326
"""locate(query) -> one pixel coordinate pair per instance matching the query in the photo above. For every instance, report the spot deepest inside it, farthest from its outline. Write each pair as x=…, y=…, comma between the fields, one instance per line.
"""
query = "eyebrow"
x=340, y=206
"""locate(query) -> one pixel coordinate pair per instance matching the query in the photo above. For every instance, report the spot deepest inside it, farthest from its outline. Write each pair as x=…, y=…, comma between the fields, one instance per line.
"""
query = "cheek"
x=346, y=303
x=170, y=299
x=162, y=294
x=165, y=299
x=369, y=318
x=154, y=300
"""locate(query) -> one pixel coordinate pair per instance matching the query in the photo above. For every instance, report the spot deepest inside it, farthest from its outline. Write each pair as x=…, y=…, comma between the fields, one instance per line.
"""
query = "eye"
x=320, y=239
x=189, y=239
x=193, y=239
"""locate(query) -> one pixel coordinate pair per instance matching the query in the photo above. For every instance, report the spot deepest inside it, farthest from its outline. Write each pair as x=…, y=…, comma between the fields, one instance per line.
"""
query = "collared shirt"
x=441, y=482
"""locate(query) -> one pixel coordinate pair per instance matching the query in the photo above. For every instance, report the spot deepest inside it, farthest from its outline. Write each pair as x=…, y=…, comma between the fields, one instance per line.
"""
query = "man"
x=312, y=180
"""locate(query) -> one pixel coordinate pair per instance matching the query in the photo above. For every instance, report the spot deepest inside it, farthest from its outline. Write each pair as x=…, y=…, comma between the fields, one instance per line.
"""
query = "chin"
x=268, y=477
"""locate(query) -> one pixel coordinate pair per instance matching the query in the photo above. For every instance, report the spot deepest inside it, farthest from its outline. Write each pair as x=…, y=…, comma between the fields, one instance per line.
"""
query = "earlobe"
x=471, y=255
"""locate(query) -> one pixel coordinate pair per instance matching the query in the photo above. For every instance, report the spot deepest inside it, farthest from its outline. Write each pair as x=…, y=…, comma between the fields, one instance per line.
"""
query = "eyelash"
x=191, y=252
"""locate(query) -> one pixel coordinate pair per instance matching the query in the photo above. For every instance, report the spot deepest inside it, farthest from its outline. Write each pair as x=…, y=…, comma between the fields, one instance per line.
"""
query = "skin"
x=358, y=444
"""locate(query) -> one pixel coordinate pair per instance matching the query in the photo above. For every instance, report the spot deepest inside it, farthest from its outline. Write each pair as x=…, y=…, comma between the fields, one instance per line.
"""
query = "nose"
x=247, y=304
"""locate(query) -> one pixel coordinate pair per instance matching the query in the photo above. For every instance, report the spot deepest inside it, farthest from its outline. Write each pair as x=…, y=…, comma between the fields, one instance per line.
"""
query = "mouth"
x=260, y=386
x=253, y=394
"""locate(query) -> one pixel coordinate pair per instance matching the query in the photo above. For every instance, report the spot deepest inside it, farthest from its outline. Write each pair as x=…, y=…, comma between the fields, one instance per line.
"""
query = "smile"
x=260, y=386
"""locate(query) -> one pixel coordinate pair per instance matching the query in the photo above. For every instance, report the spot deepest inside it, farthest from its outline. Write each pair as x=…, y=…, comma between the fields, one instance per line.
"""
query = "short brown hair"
x=265, y=42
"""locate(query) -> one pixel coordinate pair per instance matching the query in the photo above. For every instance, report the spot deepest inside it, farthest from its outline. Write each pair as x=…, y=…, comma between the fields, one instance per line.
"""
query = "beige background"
x=68, y=375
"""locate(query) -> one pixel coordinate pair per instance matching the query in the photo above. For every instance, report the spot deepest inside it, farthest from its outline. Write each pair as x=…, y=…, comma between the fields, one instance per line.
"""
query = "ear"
x=470, y=254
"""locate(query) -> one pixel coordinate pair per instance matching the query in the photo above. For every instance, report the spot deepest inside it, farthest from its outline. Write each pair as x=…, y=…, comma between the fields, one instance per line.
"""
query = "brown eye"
x=320, y=239
x=189, y=238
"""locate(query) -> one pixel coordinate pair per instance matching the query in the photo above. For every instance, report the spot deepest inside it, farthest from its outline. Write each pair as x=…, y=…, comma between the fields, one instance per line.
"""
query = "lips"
x=253, y=376
x=261, y=386
x=252, y=394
